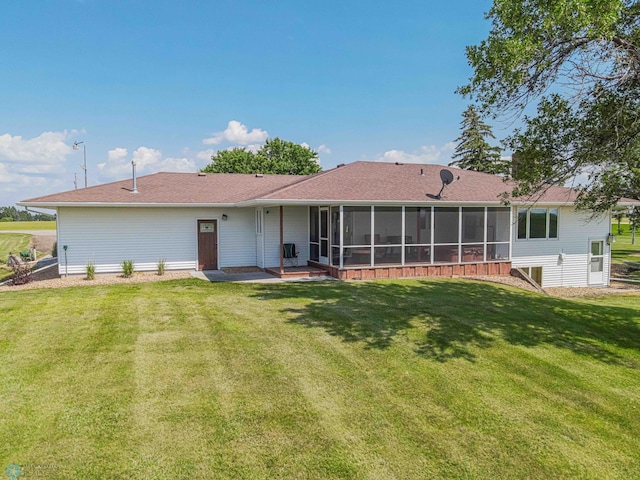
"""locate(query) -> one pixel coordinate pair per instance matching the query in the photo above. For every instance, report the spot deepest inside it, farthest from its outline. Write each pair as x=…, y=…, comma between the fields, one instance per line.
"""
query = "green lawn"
x=623, y=249
x=28, y=225
x=400, y=379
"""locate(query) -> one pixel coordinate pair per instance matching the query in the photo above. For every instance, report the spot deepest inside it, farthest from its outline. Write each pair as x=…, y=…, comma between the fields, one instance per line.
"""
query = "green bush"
x=127, y=268
x=161, y=266
x=6, y=219
x=91, y=271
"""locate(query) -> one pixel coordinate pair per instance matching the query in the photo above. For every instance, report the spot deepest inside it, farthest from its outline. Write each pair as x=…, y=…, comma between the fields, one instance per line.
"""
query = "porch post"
x=281, y=240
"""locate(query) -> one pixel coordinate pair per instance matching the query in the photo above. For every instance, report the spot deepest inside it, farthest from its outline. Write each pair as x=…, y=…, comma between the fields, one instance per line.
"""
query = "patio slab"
x=250, y=277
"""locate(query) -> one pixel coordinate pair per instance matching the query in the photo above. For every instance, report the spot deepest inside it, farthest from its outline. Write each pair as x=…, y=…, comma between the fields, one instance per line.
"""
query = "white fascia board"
x=271, y=203
x=542, y=204
x=130, y=205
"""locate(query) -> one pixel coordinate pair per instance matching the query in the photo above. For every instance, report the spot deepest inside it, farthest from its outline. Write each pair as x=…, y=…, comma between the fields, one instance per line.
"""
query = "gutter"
x=122, y=204
x=322, y=202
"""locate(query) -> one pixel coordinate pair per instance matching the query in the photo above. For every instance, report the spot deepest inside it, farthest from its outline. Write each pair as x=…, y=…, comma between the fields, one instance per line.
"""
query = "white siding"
x=296, y=230
x=107, y=236
x=575, y=230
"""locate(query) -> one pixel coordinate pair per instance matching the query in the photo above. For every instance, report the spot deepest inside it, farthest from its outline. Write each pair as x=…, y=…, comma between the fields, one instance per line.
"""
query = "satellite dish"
x=447, y=179
x=446, y=176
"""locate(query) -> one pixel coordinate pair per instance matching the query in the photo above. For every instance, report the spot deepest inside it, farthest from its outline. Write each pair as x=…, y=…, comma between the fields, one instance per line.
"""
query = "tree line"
x=12, y=214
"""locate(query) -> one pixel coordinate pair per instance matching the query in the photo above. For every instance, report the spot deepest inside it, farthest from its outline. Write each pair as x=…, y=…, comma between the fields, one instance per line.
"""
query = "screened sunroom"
x=348, y=236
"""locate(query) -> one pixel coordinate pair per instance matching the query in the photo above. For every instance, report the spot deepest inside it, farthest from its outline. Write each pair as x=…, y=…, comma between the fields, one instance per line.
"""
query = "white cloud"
x=148, y=160
x=324, y=149
x=31, y=167
x=305, y=145
x=205, y=154
x=425, y=154
x=170, y=164
x=253, y=148
x=46, y=149
x=237, y=134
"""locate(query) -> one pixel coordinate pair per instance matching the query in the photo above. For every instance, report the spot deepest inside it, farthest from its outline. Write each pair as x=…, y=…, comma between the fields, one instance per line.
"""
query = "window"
x=410, y=235
x=356, y=232
x=259, y=219
x=446, y=224
x=387, y=235
x=417, y=225
x=537, y=223
x=417, y=234
x=498, y=228
x=357, y=226
x=535, y=273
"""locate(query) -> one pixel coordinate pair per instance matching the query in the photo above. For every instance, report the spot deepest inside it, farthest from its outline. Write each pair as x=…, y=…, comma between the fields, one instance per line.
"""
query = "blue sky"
x=168, y=82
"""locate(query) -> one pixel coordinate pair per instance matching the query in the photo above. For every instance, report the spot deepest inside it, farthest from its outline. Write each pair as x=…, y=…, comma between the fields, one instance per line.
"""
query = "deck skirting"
x=409, y=271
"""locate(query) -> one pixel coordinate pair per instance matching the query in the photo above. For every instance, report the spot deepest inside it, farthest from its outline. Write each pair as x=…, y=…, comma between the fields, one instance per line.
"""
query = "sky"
x=168, y=83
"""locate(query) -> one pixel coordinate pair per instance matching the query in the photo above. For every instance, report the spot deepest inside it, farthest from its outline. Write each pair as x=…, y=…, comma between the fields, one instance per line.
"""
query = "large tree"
x=587, y=54
x=276, y=156
x=472, y=150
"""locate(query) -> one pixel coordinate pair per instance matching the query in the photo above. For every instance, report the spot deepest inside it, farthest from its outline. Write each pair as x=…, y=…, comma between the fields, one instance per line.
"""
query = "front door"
x=596, y=262
x=207, y=244
x=324, y=235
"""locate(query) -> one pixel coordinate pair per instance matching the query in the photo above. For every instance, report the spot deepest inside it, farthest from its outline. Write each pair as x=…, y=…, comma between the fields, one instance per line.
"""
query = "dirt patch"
x=43, y=243
x=614, y=289
x=504, y=280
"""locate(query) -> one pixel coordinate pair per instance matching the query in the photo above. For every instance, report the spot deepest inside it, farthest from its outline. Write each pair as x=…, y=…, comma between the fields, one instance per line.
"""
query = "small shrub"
x=54, y=250
x=21, y=274
x=161, y=266
x=91, y=271
x=127, y=268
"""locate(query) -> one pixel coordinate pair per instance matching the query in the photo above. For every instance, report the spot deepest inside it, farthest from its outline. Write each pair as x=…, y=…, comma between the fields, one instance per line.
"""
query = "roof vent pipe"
x=422, y=172
x=135, y=187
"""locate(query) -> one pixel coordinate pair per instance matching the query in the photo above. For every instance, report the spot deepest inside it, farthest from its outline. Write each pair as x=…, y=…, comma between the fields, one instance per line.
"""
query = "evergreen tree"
x=473, y=151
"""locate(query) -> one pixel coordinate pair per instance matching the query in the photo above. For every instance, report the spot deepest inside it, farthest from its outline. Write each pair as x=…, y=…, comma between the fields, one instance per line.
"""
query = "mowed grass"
x=622, y=249
x=45, y=225
x=373, y=380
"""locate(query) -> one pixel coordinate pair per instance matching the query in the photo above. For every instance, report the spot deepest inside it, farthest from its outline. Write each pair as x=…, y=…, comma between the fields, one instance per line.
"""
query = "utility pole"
x=75, y=180
x=76, y=146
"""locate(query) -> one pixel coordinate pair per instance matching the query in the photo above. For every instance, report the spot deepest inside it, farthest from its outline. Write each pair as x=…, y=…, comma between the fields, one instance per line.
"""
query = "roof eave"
x=121, y=204
x=264, y=202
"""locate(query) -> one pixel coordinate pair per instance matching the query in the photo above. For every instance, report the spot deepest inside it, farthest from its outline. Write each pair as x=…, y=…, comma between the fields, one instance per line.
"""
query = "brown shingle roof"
x=177, y=188
x=355, y=182
x=377, y=181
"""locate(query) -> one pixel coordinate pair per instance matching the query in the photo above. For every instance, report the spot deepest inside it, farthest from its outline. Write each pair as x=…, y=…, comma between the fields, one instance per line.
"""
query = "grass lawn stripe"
x=405, y=379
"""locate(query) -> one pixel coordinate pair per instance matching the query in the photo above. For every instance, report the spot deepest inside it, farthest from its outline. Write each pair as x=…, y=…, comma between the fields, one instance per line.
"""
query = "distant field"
x=622, y=249
x=28, y=225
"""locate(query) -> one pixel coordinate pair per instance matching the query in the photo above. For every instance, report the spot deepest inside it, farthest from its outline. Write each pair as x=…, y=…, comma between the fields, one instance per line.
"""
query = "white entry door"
x=596, y=262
